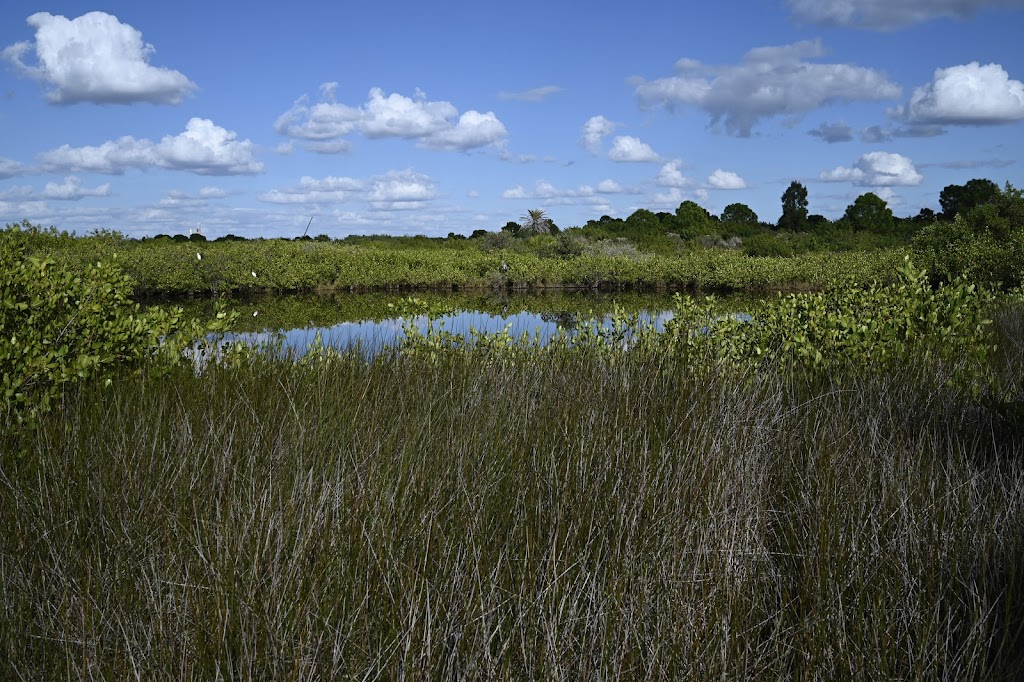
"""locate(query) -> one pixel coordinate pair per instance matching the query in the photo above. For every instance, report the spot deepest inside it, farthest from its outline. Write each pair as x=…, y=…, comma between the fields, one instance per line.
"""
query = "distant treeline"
x=979, y=233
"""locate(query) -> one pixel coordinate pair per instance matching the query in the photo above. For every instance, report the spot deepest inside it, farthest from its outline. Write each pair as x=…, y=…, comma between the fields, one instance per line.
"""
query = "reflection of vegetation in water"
x=564, y=308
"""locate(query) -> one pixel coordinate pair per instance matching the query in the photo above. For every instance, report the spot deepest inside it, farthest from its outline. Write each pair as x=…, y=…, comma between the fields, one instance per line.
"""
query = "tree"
x=535, y=222
x=925, y=216
x=794, y=207
x=512, y=228
x=869, y=212
x=642, y=220
x=956, y=199
x=693, y=217
x=739, y=213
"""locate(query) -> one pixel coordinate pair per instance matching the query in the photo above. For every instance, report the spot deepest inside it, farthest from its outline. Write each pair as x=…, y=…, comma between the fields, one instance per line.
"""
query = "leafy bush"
x=984, y=243
x=873, y=328
x=59, y=326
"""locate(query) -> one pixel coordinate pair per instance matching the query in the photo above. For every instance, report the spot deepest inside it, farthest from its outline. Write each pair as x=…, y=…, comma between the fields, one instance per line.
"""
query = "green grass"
x=570, y=517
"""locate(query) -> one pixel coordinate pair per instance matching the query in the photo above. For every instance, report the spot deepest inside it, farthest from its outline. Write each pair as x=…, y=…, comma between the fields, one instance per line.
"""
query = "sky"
x=427, y=118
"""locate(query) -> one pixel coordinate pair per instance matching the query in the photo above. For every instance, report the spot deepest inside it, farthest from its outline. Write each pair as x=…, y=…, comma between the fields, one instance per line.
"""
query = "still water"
x=368, y=320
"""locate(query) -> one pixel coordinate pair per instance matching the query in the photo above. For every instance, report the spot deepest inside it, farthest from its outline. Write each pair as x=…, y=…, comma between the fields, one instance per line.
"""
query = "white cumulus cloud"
x=967, y=94
x=768, y=81
x=671, y=175
x=517, y=192
x=95, y=58
x=473, y=130
x=876, y=169
x=723, y=179
x=609, y=187
x=436, y=125
x=401, y=187
x=594, y=131
x=626, y=148
x=204, y=148
x=886, y=15
x=71, y=190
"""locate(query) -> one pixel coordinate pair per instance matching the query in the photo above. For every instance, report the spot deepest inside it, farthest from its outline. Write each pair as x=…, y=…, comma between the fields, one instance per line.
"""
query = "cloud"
x=504, y=155
x=436, y=125
x=393, y=191
x=970, y=94
x=722, y=179
x=310, y=190
x=21, y=192
x=532, y=95
x=96, y=58
x=396, y=190
x=330, y=147
x=10, y=168
x=204, y=148
x=876, y=169
x=178, y=198
x=673, y=197
x=971, y=163
x=626, y=148
x=884, y=15
x=671, y=175
x=875, y=134
x=768, y=82
x=71, y=190
x=516, y=192
x=473, y=130
x=594, y=131
x=395, y=115
x=566, y=196
x=833, y=132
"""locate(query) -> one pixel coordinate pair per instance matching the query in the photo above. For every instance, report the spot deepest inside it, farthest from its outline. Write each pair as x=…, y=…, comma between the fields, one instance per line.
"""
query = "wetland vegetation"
x=831, y=488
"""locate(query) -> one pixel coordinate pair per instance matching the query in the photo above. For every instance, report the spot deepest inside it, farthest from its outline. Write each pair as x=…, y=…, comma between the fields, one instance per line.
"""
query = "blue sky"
x=420, y=118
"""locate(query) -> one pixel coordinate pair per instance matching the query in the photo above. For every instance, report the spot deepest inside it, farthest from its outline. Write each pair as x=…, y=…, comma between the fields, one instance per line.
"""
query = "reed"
x=570, y=517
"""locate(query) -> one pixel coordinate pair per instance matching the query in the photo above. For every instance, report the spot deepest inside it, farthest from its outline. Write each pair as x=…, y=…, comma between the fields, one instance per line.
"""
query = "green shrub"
x=984, y=243
x=59, y=326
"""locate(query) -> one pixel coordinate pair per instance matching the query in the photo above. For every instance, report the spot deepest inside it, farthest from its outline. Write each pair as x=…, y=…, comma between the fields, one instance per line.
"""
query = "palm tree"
x=535, y=222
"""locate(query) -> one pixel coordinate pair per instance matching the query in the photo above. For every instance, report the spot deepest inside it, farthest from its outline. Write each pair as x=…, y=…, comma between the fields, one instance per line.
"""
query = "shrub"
x=58, y=326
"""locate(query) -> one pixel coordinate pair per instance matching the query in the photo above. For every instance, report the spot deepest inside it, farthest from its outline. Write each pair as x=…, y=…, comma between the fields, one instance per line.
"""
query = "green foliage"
x=957, y=199
x=59, y=326
x=739, y=213
x=984, y=243
x=693, y=220
x=873, y=328
x=643, y=221
x=583, y=259
x=794, y=207
x=535, y=222
x=869, y=212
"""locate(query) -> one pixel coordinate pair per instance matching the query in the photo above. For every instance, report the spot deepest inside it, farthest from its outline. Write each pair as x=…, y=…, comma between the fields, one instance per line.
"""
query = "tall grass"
x=569, y=518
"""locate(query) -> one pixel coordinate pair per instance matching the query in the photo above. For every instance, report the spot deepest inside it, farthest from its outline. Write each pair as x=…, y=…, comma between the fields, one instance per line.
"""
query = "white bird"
x=253, y=273
x=199, y=256
x=255, y=313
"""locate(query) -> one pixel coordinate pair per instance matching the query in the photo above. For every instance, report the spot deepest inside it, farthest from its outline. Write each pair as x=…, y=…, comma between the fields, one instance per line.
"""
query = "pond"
x=342, y=319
